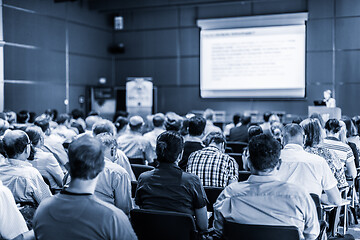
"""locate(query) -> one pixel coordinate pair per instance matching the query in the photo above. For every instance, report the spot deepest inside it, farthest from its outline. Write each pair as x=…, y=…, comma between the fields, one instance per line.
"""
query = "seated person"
x=114, y=185
x=209, y=116
x=167, y=187
x=304, y=169
x=214, y=167
x=24, y=181
x=12, y=223
x=76, y=213
x=194, y=141
x=158, y=121
x=236, y=122
x=134, y=144
x=263, y=199
x=240, y=133
x=45, y=162
x=252, y=132
x=64, y=129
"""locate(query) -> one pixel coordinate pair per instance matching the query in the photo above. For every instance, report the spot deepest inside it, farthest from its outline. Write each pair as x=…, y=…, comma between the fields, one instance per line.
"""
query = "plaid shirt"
x=213, y=167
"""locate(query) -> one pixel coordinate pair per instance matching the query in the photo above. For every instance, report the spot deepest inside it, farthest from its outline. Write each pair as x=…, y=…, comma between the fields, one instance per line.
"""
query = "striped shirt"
x=343, y=150
x=213, y=167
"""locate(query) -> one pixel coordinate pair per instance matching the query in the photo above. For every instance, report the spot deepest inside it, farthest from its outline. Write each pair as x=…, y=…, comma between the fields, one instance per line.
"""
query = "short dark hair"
x=76, y=113
x=312, y=129
x=103, y=126
x=254, y=131
x=246, y=120
x=264, y=152
x=333, y=125
x=120, y=123
x=43, y=122
x=63, y=118
x=215, y=137
x=169, y=145
x=291, y=130
x=15, y=142
x=236, y=118
x=86, y=157
x=196, y=125
x=173, y=122
x=158, y=120
x=23, y=116
x=266, y=116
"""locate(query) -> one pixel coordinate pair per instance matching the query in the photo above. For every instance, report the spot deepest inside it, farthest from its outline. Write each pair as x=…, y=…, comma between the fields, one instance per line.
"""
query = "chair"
x=212, y=194
x=238, y=159
x=139, y=169
x=163, y=225
x=244, y=175
x=259, y=232
x=237, y=147
x=133, y=188
x=136, y=161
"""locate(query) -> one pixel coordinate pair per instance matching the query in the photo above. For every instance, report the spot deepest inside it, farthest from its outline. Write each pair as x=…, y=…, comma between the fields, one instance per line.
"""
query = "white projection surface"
x=253, y=62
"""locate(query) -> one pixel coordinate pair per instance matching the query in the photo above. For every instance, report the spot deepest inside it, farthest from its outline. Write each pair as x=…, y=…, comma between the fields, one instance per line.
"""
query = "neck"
x=82, y=186
x=263, y=173
x=335, y=135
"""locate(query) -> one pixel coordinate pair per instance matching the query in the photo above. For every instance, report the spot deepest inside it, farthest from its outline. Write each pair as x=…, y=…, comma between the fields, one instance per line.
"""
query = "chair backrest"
x=244, y=175
x=238, y=159
x=154, y=224
x=136, y=161
x=133, y=188
x=259, y=232
x=212, y=194
x=139, y=169
x=237, y=147
x=317, y=202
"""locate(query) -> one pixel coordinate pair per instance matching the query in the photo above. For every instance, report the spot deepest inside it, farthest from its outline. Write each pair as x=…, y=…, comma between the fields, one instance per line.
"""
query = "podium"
x=325, y=112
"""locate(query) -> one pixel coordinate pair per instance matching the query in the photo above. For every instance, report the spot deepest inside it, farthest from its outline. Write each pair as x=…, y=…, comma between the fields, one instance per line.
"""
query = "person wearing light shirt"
x=264, y=199
x=158, y=122
x=114, y=185
x=304, y=169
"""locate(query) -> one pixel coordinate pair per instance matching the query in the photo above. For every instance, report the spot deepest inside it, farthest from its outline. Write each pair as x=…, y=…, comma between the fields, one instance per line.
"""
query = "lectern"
x=325, y=112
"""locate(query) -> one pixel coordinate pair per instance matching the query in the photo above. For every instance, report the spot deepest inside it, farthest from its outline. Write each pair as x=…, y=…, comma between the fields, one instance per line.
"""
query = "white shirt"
x=305, y=169
x=12, y=222
x=152, y=136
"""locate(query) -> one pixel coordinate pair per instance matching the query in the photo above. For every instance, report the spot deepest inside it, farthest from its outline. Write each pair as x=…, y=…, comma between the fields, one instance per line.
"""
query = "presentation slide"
x=259, y=62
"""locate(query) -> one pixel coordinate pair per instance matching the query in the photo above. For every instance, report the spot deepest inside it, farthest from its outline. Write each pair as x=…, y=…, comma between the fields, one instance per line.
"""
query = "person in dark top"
x=193, y=142
x=240, y=134
x=167, y=187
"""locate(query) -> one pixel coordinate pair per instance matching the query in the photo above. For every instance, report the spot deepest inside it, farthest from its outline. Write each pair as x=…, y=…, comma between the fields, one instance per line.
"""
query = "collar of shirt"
x=165, y=165
x=19, y=163
x=292, y=146
x=262, y=179
x=193, y=139
x=332, y=138
x=211, y=148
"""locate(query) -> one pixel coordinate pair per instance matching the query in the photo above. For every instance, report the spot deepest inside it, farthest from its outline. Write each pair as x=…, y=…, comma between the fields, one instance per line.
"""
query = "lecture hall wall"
x=163, y=42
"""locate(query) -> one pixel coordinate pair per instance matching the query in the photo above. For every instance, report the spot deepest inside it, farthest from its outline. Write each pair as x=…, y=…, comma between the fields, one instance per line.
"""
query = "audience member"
x=52, y=115
x=352, y=138
x=252, y=132
x=236, y=123
x=12, y=223
x=158, y=122
x=64, y=129
x=344, y=152
x=305, y=169
x=212, y=165
x=102, y=126
x=314, y=136
x=276, y=130
x=209, y=116
x=23, y=180
x=266, y=125
x=240, y=134
x=114, y=185
x=167, y=187
x=22, y=120
x=90, y=122
x=263, y=199
x=76, y=213
x=133, y=144
x=32, y=116
x=52, y=142
x=117, y=114
x=45, y=162
x=78, y=118
x=121, y=125
x=318, y=117
x=193, y=141
x=173, y=122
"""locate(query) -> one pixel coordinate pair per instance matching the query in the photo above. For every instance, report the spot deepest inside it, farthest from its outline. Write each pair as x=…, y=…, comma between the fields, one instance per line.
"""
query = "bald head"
x=293, y=133
x=90, y=121
x=15, y=143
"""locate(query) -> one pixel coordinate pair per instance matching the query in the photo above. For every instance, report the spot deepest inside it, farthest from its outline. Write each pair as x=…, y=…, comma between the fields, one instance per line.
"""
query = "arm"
x=55, y=171
x=311, y=227
x=233, y=171
x=351, y=169
x=201, y=218
x=333, y=196
x=122, y=192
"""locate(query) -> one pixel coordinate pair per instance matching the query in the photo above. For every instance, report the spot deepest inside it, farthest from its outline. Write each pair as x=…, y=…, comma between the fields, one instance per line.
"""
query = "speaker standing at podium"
x=328, y=100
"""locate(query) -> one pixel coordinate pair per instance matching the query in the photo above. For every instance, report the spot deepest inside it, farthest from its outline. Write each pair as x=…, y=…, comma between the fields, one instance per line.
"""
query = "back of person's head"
x=246, y=120
x=15, y=143
x=120, y=114
x=293, y=133
x=121, y=123
x=86, y=158
x=264, y=152
x=196, y=125
x=169, y=145
x=297, y=120
x=42, y=121
x=254, y=131
x=318, y=117
x=32, y=116
x=266, y=116
x=108, y=140
x=23, y=116
x=312, y=130
x=274, y=118
x=36, y=136
x=90, y=121
x=103, y=126
x=350, y=127
x=173, y=122
x=158, y=120
x=63, y=118
x=209, y=114
x=4, y=125
x=236, y=118
x=52, y=113
x=215, y=137
x=3, y=116
x=11, y=117
x=76, y=114
x=136, y=123
x=94, y=113
x=333, y=126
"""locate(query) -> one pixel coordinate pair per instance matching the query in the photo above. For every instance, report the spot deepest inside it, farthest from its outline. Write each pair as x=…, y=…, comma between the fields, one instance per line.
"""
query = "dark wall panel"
x=347, y=33
x=319, y=67
x=321, y=8
x=225, y=10
x=189, y=41
x=282, y=6
x=347, y=67
x=190, y=71
x=319, y=35
x=188, y=16
x=347, y=95
x=345, y=8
